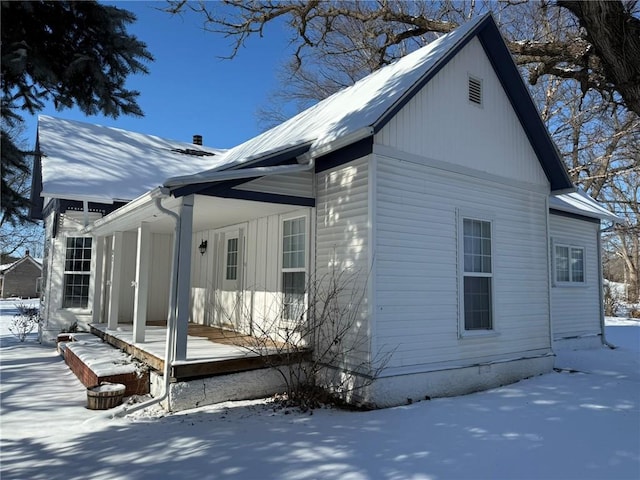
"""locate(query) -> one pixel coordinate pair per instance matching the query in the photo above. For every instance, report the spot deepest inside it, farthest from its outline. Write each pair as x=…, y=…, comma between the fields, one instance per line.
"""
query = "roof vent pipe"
x=197, y=139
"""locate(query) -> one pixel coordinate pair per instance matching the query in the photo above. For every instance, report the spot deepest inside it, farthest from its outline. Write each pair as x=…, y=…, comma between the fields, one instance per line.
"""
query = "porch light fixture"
x=202, y=247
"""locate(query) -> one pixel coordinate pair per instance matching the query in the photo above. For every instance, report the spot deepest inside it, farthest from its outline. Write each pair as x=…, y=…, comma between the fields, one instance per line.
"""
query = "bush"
x=24, y=321
x=611, y=301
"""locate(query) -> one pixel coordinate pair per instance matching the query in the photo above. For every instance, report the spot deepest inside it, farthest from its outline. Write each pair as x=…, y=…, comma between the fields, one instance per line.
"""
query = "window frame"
x=228, y=268
x=68, y=273
x=284, y=270
x=463, y=274
x=570, y=249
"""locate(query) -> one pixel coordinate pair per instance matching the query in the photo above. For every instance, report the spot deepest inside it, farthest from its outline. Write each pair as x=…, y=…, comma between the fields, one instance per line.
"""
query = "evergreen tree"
x=70, y=53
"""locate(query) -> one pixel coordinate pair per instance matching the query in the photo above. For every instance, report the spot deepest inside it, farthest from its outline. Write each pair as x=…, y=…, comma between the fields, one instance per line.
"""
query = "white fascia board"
x=129, y=215
x=229, y=172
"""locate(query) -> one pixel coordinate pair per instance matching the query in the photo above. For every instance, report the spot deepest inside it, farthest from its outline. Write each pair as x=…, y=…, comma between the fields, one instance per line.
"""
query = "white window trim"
x=226, y=257
x=281, y=269
x=570, y=283
x=462, y=331
x=66, y=272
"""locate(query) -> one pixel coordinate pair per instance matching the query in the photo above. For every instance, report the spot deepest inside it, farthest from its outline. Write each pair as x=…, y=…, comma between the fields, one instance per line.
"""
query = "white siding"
x=260, y=275
x=160, y=276
x=576, y=309
x=298, y=184
x=416, y=257
x=342, y=241
x=127, y=276
x=440, y=123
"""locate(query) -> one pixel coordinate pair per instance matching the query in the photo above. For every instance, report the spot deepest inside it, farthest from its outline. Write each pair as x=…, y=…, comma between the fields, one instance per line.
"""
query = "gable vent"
x=475, y=90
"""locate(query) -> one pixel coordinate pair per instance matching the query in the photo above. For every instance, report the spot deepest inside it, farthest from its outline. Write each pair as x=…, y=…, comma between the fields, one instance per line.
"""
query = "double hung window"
x=477, y=274
x=77, y=272
x=293, y=268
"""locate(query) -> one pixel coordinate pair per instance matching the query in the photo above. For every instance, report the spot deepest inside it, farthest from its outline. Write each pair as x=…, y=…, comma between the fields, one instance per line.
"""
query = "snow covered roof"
x=81, y=161
x=373, y=100
x=10, y=266
x=580, y=203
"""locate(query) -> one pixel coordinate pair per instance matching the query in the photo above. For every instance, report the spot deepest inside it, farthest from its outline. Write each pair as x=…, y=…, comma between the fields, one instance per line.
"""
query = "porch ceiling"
x=214, y=212
x=208, y=213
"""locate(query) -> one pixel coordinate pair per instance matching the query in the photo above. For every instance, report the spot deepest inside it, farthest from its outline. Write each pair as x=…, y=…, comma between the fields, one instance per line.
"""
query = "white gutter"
x=128, y=209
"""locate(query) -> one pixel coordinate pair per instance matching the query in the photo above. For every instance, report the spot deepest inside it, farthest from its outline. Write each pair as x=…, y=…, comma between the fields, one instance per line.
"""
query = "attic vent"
x=475, y=90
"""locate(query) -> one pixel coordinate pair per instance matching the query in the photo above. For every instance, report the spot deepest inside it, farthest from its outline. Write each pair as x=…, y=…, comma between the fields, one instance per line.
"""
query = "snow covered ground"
x=580, y=425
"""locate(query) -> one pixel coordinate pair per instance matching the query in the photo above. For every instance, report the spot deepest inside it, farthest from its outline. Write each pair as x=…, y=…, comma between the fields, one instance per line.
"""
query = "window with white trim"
x=477, y=274
x=232, y=259
x=77, y=272
x=293, y=268
x=569, y=264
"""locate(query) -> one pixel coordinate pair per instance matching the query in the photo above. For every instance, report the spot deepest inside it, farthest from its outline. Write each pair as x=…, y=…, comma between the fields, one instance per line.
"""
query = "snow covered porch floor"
x=210, y=351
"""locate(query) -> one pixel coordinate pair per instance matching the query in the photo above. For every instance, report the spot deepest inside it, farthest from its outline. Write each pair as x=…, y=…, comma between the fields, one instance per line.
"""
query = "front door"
x=229, y=304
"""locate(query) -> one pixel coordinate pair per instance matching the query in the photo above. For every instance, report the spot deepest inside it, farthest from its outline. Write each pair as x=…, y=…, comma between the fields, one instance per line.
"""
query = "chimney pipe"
x=197, y=139
x=26, y=253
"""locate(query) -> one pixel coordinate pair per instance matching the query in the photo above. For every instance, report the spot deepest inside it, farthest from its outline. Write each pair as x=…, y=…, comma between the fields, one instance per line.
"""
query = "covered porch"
x=211, y=351
x=201, y=266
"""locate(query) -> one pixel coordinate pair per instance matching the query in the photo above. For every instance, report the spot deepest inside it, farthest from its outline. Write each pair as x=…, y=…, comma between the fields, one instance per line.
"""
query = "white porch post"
x=98, y=281
x=143, y=268
x=116, y=270
x=183, y=287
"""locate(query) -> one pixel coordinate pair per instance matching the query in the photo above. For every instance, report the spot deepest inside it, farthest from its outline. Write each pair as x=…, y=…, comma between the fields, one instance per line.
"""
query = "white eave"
x=580, y=203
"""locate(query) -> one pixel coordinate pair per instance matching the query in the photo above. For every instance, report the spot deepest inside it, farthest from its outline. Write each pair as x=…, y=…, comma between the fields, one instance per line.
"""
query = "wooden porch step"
x=94, y=361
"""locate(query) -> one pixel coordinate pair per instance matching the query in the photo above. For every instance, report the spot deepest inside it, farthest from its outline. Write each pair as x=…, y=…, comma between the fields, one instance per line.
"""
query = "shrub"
x=24, y=321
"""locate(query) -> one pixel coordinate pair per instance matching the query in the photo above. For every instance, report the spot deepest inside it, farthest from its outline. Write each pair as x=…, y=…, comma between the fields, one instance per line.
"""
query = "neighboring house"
x=21, y=278
x=433, y=181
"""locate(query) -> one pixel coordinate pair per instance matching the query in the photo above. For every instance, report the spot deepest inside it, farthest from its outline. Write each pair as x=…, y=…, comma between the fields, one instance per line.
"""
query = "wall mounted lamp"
x=202, y=247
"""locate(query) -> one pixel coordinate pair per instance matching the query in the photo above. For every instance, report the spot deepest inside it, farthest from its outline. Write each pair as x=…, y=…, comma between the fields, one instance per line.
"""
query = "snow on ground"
x=580, y=425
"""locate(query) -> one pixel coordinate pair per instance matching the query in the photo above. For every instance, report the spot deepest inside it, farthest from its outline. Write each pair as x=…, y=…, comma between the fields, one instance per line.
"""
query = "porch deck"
x=211, y=351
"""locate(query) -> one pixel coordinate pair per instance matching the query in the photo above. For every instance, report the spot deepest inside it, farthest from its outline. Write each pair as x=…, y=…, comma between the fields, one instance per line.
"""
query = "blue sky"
x=189, y=89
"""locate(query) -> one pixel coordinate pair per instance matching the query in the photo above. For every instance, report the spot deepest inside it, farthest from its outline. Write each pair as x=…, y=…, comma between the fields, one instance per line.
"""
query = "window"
x=293, y=268
x=77, y=270
x=232, y=259
x=477, y=275
x=569, y=263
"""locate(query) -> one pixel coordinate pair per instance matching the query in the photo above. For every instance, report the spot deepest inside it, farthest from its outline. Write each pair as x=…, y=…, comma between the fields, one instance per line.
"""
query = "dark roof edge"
x=518, y=94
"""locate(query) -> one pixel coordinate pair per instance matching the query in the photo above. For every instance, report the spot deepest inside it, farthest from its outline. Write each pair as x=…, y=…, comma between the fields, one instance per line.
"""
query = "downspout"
x=601, y=287
x=169, y=352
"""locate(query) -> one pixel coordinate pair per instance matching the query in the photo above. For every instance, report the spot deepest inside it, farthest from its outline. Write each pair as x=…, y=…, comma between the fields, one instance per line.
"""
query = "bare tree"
x=318, y=344
x=599, y=45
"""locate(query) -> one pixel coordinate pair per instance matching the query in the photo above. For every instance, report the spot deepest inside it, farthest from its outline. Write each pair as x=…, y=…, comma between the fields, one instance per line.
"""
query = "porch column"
x=116, y=270
x=143, y=268
x=98, y=281
x=183, y=288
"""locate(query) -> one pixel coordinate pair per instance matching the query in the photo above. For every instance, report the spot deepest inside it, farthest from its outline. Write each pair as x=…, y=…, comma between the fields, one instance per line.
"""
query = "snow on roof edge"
x=579, y=202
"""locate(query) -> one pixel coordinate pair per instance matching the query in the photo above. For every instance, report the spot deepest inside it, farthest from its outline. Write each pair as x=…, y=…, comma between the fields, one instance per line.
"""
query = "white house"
x=432, y=181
